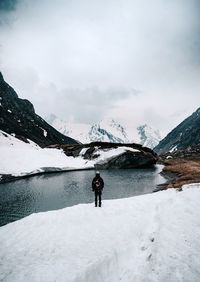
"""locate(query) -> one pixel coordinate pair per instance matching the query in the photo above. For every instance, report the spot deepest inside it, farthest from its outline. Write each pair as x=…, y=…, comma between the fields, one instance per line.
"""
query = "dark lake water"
x=54, y=191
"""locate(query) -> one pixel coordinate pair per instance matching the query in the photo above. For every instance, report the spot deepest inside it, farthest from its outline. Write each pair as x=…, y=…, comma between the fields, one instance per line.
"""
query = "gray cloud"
x=85, y=58
x=8, y=5
x=93, y=102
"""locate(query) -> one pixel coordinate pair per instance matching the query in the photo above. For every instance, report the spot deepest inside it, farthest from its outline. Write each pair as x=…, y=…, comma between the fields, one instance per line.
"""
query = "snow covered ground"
x=153, y=237
x=19, y=158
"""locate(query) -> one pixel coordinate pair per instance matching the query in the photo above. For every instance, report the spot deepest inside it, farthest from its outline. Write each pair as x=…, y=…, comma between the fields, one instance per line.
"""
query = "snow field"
x=153, y=237
x=19, y=158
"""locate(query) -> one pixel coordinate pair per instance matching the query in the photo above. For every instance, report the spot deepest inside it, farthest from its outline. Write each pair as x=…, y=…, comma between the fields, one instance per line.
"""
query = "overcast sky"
x=137, y=61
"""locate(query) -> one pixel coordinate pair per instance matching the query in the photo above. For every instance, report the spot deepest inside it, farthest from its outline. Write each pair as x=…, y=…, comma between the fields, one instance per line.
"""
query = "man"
x=97, y=187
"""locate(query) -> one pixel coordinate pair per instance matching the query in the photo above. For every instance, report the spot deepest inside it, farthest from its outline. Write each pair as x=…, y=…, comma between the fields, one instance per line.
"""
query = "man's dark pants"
x=98, y=195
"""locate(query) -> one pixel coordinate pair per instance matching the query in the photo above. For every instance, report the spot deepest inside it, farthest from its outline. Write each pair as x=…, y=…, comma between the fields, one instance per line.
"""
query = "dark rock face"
x=17, y=116
x=144, y=157
x=185, y=135
x=129, y=160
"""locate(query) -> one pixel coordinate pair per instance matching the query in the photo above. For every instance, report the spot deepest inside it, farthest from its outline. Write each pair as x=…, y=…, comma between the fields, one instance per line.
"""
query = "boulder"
x=129, y=160
x=137, y=158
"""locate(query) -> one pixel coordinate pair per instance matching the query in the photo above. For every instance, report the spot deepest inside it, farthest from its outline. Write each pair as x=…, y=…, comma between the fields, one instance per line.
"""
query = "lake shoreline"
x=179, y=172
x=6, y=178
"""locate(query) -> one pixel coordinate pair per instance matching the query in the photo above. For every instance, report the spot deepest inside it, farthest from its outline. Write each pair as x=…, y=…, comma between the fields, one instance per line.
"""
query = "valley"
x=99, y=141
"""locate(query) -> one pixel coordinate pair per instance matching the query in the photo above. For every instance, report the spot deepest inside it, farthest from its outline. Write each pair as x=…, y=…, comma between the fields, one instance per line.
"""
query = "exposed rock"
x=129, y=160
x=89, y=154
x=192, y=152
x=143, y=157
x=18, y=117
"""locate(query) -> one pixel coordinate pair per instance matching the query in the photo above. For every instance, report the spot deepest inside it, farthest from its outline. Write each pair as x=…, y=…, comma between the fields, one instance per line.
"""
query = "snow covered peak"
x=148, y=136
x=107, y=130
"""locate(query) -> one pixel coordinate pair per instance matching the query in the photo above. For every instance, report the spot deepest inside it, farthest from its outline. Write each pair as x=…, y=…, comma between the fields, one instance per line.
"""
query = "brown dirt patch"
x=185, y=171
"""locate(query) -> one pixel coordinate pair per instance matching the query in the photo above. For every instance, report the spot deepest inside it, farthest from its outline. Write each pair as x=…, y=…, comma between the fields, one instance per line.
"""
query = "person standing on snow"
x=97, y=187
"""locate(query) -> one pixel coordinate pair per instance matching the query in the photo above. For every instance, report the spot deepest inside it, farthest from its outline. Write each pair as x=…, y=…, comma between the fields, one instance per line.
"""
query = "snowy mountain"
x=107, y=130
x=148, y=136
x=18, y=117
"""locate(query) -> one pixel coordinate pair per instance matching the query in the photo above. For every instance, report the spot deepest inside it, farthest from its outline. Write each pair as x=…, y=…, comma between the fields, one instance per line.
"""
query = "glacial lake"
x=59, y=190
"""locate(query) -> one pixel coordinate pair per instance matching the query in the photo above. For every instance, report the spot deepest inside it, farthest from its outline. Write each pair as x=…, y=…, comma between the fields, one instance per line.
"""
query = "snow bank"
x=19, y=158
x=152, y=237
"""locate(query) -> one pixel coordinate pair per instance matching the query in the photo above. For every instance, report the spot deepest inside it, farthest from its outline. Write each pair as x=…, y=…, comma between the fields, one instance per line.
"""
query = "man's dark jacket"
x=101, y=184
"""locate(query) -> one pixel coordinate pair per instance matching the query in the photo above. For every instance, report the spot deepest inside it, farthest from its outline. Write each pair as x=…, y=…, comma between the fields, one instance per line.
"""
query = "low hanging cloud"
x=134, y=60
x=93, y=102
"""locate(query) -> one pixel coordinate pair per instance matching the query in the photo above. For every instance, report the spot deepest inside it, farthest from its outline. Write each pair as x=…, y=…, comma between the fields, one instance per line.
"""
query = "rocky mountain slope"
x=183, y=137
x=107, y=130
x=18, y=117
